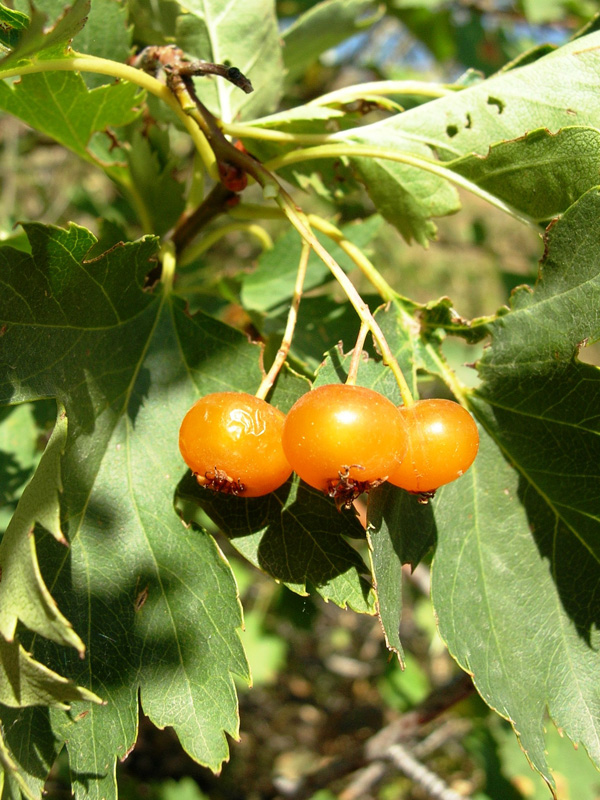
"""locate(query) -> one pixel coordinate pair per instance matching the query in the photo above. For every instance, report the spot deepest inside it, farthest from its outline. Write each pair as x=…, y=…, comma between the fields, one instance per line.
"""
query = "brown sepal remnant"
x=345, y=490
x=219, y=481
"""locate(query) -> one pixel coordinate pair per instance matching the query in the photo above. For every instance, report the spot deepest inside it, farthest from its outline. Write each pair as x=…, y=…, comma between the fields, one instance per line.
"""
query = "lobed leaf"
x=154, y=603
x=26, y=682
x=38, y=41
x=526, y=569
x=23, y=594
x=60, y=105
x=295, y=535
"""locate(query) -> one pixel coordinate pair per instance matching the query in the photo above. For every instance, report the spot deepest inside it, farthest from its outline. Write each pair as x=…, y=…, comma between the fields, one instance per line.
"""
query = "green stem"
x=169, y=263
x=241, y=131
x=195, y=194
x=255, y=211
x=385, y=88
x=286, y=342
x=367, y=151
x=84, y=63
x=450, y=378
x=194, y=250
x=357, y=354
x=356, y=254
x=300, y=222
x=253, y=130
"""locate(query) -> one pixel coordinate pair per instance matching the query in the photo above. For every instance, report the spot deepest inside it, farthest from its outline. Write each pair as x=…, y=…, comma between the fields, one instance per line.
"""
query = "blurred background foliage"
x=323, y=680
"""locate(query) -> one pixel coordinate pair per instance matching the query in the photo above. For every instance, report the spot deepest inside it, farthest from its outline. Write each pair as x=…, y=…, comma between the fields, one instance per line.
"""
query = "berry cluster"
x=340, y=439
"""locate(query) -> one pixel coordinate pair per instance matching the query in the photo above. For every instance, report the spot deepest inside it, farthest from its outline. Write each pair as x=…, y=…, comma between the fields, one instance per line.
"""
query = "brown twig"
x=179, y=77
x=404, y=729
x=216, y=202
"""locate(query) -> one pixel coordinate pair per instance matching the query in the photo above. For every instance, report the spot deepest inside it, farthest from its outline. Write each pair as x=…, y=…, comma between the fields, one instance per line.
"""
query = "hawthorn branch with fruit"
x=128, y=335
x=343, y=440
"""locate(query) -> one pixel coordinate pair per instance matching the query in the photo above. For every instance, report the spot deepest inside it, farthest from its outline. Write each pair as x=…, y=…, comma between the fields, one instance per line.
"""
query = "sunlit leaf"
x=244, y=34
x=44, y=41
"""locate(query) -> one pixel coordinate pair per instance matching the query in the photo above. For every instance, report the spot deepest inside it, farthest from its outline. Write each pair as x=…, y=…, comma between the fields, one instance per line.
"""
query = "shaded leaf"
x=152, y=170
x=295, y=535
x=527, y=568
x=155, y=603
x=26, y=682
x=12, y=782
x=23, y=594
x=272, y=282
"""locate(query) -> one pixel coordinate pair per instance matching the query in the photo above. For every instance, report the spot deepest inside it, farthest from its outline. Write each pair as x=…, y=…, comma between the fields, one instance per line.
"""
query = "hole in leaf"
x=451, y=130
x=494, y=101
x=590, y=354
x=469, y=121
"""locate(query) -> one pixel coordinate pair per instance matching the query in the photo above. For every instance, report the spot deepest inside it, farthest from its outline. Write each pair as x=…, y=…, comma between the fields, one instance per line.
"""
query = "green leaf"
x=11, y=24
x=525, y=569
x=541, y=173
x=39, y=42
x=242, y=33
x=272, y=282
x=154, y=603
x=554, y=92
x=106, y=34
x=152, y=166
x=153, y=20
x=322, y=27
x=26, y=682
x=295, y=535
x=12, y=782
x=400, y=531
x=23, y=595
x=60, y=105
x=407, y=197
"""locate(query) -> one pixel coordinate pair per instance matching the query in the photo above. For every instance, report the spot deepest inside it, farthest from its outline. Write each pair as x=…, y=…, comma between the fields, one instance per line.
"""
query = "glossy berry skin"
x=442, y=444
x=232, y=443
x=343, y=436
